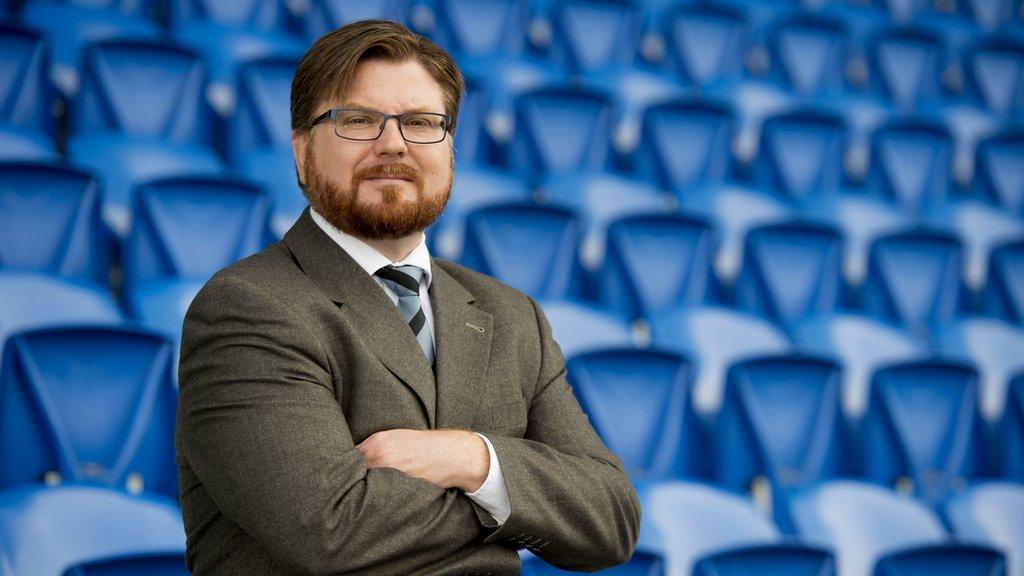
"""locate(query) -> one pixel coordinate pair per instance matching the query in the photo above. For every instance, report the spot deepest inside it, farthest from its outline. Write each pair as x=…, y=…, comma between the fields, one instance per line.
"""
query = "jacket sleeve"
x=572, y=503
x=260, y=427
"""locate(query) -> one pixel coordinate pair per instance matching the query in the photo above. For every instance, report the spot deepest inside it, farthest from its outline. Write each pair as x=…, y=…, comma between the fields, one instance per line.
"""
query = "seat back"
x=993, y=346
x=906, y=65
x=588, y=35
x=994, y=69
x=705, y=42
x=258, y=15
x=481, y=27
x=943, y=560
x=774, y=560
x=685, y=143
x=579, y=328
x=25, y=94
x=561, y=130
x=142, y=564
x=326, y=15
x=55, y=381
x=801, y=154
x=639, y=564
x=999, y=170
x=1010, y=454
x=474, y=187
x=911, y=163
x=261, y=118
x=809, y=53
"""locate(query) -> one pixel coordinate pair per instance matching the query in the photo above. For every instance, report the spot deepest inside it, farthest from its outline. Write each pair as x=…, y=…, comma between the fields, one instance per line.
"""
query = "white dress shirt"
x=492, y=494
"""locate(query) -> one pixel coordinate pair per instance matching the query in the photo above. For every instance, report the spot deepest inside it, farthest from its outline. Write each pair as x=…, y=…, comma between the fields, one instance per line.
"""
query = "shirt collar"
x=368, y=258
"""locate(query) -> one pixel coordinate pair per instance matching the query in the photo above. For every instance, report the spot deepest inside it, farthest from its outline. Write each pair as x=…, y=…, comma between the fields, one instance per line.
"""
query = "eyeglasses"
x=364, y=125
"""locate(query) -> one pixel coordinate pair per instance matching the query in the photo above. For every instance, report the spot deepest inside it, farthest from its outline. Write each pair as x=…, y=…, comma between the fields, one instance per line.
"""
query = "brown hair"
x=328, y=66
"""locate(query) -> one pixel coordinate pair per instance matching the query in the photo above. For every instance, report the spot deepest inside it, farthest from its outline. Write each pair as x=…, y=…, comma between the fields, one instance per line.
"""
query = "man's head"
x=386, y=187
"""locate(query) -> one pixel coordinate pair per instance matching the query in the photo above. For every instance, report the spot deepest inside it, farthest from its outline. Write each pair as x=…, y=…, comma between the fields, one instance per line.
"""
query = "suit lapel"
x=374, y=314
x=463, y=343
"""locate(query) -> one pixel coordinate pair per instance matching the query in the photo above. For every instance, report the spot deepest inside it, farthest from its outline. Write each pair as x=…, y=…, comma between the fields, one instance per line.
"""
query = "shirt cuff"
x=492, y=495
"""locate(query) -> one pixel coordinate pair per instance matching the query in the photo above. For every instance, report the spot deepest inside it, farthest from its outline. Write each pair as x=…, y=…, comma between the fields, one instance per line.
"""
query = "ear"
x=300, y=138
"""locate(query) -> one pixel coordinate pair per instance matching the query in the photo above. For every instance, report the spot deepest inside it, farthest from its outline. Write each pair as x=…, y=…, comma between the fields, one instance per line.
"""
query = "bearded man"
x=350, y=405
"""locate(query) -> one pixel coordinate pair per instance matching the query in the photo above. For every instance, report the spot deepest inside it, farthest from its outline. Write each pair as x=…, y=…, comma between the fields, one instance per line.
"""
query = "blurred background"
x=781, y=245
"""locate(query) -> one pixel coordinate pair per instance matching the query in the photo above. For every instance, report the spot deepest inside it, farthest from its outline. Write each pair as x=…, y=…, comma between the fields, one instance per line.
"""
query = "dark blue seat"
x=656, y=262
x=185, y=229
x=18, y=144
x=994, y=71
x=139, y=564
x=911, y=164
x=801, y=154
x=914, y=279
x=990, y=513
x=322, y=16
x=791, y=270
x=686, y=143
x=639, y=403
x=906, y=65
x=994, y=348
x=478, y=28
x=705, y=43
x=532, y=248
x=261, y=119
x=980, y=227
x=809, y=53
x=590, y=35
x=1010, y=446
x=999, y=170
x=25, y=94
x=473, y=143
x=257, y=15
x=903, y=10
x=55, y=381
x=274, y=170
x=580, y=328
x=640, y=564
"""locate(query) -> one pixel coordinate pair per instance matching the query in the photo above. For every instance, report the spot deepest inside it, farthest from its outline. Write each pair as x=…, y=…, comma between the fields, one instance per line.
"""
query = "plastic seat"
x=639, y=403
x=981, y=228
x=673, y=161
x=790, y=271
x=640, y=564
x=54, y=381
x=322, y=16
x=914, y=279
x=656, y=262
x=531, y=248
x=906, y=65
x=903, y=10
x=261, y=119
x=715, y=337
x=473, y=143
x=801, y=154
x=145, y=564
x=809, y=54
x=600, y=198
x=580, y=328
x=753, y=100
x=705, y=42
x=923, y=426
x=25, y=95
x=473, y=187
x=477, y=28
x=633, y=90
x=911, y=164
x=1010, y=451
x=31, y=300
x=989, y=14
x=274, y=170
x=994, y=348
x=48, y=531
x=861, y=345
x=994, y=69
x=999, y=170
x=257, y=15
x=992, y=513
x=590, y=35
x=185, y=230
x=18, y=145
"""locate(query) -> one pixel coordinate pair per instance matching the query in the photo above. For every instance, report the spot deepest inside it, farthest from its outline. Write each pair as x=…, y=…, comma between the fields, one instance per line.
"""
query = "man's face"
x=384, y=188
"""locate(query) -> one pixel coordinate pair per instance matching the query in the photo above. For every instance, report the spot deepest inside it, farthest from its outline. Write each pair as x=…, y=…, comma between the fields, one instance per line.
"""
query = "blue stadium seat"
x=55, y=381
x=31, y=300
x=531, y=248
x=25, y=95
x=911, y=164
x=861, y=345
x=262, y=119
x=322, y=16
x=906, y=65
x=561, y=130
x=994, y=70
x=781, y=420
x=48, y=531
x=590, y=35
x=256, y=15
x=705, y=42
x=600, y=198
x=877, y=532
x=1010, y=451
x=753, y=100
x=994, y=349
x=473, y=144
x=989, y=14
x=579, y=328
x=791, y=270
x=18, y=145
x=274, y=170
x=139, y=564
x=914, y=279
x=768, y=560
x=656, y=262
x=991, y=513
x=639, y=403
x=185, y=229
x=480, y=28
x=685, y=143
x=923, y=426
x=801, y=154
x=633, y=90
x=903, y=10
x=640, y=564
x=808, y=54
x=50, y=223
x=473, y=187
x=715, y=337
x=999, y=170
x=981, y=228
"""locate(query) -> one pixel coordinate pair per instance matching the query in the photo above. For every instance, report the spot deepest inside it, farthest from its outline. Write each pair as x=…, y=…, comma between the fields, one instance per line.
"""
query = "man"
x=350, y=405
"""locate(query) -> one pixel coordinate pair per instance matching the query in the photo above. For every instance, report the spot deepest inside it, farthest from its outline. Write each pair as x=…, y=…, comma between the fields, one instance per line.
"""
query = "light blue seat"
x=1010, y=444
x=906, y=64
x=185, y=230
x=590, y=35
x=994, y=348
x=633, y=90
x=914, y=279
x=716, y=338
x=981, y=228
x=18, y=145
x=261, y=119
x=656, y=262
x=322, y=16
x=531, y=248
x=994, y=71
x=791, y=270
x=639, y=403
x=580, y=328
x=705, y=43
x=999, y=170
x=861, y=345
x=992, y=513
x=46, y=531
x=148, y=564
x=801, y=154
x=674, y=161
x=31, y=300
x=809, y=54
x=753, y=100
x=640, y=564
x=912, y=164
x=55, y=381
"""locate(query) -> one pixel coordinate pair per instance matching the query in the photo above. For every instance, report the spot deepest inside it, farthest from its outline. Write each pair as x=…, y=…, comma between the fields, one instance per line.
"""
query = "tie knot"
x=407, y=277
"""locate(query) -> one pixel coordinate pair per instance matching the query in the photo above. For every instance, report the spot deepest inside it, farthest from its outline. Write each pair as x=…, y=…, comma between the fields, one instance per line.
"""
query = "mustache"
x=388, y=170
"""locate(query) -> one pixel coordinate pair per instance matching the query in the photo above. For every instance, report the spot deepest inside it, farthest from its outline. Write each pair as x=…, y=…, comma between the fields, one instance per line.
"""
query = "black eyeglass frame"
x=332, y=115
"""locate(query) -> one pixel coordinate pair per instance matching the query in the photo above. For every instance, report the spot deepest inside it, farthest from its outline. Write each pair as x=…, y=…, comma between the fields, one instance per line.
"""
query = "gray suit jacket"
x=293, y=356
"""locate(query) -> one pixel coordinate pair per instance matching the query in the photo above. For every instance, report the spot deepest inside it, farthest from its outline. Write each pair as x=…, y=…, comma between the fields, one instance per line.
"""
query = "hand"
x=447, y=458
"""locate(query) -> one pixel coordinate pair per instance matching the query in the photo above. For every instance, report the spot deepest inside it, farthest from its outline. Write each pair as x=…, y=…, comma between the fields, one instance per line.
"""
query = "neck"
x=396, y=249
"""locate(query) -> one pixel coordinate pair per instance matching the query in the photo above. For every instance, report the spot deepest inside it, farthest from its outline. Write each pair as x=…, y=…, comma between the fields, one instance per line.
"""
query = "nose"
x=390, y=142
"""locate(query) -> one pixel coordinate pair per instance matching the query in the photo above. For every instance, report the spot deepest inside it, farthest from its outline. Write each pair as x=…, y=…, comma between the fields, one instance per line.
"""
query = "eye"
x=418, y=122
x=359, y=120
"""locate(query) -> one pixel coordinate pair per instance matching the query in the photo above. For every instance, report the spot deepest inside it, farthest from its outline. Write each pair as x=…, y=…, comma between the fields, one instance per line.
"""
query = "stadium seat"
x=25, y=95
x=600, y=198
x=656, y=262
x=903, y=10
x=906, y=65
x=473, y=144
x=705, y=42
x=591, y=35
x=561, y=130
x=989, y=14
x=999, y=171
x=981, y=228
x=911, y=164
x=481, y=28
x=49, y=531
x=640, y=564
x=639, y=403
x=322, y=16
x=55, y=381
x=185, y=230
x=256, y=15
x=673, y=161
x=994, y=348
x=861, y=345
x=923, y=426
x=633, y=90
x=50, y=223
x=753, y=100
x=531, y=248
x=474, y=187
x=1010, y=451
x=579, y=328
x=791, y=270
x=808, y=54
x=991, y=513
x=274, y=170
x=877, y=532
x=994, y=69
x=801, y=154
x=914, y=279
x=261, y=120
x=31, y=300
x=715, y=337
x=143, y=564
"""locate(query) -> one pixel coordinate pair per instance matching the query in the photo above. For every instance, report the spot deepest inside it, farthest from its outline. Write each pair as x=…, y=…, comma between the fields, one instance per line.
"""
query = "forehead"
x=394, y=87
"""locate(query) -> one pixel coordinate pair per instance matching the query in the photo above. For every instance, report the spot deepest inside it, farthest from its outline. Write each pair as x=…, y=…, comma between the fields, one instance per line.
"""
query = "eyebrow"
x=407, y=111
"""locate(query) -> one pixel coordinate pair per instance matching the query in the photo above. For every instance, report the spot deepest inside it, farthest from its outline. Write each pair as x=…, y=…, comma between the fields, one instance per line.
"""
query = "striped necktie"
x=404, y=281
